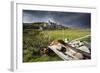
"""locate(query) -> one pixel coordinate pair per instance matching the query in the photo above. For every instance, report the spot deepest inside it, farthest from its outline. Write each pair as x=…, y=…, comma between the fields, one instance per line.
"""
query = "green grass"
x=45, y=58
x=68, y=33
x=34, y=39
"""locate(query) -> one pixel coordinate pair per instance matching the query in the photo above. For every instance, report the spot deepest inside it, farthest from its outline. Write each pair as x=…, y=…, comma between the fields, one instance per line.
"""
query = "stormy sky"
x=70, y=19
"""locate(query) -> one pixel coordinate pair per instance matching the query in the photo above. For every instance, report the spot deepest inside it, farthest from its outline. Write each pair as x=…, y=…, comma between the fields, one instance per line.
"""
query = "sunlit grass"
x=33, y=39
x=68, y=33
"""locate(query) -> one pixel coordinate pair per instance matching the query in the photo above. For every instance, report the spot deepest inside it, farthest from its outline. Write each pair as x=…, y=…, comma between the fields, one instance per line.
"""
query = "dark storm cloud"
x=70, y=19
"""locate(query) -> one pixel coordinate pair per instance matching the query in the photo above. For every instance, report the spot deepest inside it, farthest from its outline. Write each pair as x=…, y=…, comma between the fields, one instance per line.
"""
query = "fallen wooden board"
x=60, y=54
x=85, y=54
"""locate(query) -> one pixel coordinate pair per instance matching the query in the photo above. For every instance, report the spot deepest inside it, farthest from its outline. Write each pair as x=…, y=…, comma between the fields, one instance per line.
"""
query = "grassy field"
x=67, y=33
x=34, y=39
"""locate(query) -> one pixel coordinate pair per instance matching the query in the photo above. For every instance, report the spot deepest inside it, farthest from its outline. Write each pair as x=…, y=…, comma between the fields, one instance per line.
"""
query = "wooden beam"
x=85, y=54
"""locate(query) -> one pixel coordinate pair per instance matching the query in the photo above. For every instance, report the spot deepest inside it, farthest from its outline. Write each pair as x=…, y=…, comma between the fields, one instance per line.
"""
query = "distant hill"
x=43, y=26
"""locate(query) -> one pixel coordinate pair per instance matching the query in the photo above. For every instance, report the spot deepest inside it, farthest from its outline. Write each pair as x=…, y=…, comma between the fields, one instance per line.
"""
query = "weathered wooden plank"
x=85, y=54
x=60, y=54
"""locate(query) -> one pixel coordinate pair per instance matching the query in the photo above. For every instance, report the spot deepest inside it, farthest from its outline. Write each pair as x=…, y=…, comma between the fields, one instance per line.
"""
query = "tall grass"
x=68, y=33
x=33, y=40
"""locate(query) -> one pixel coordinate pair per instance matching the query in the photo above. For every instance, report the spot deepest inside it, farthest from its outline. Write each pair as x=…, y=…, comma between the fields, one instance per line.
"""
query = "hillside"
x=43, y=26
